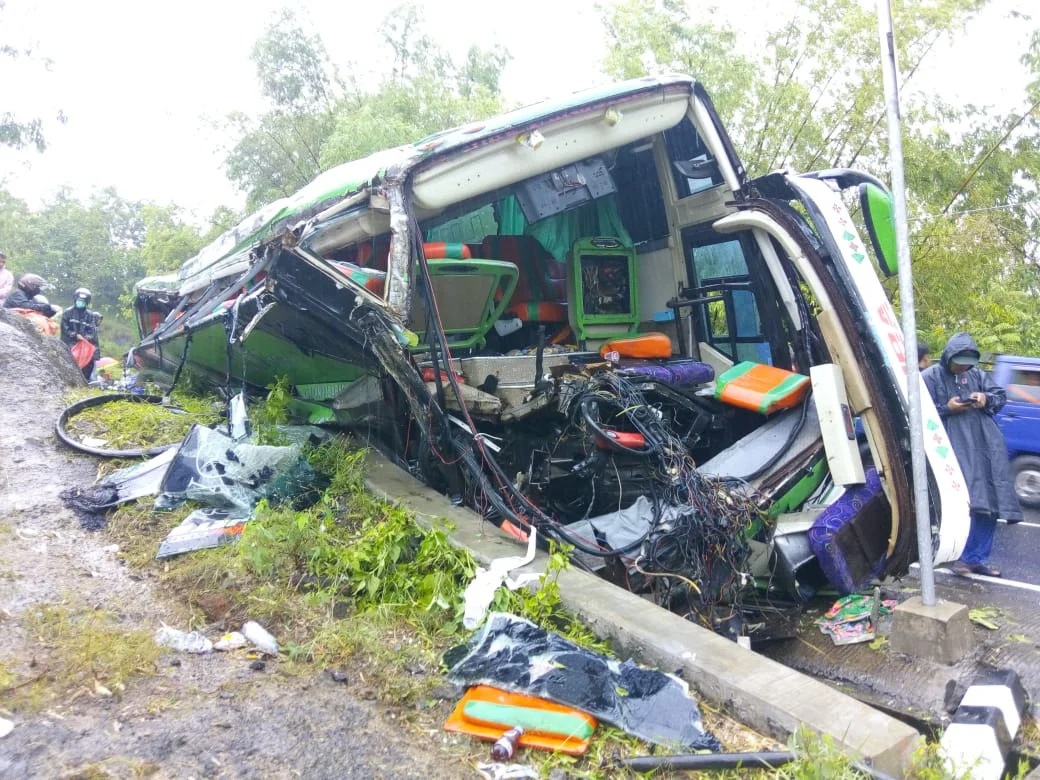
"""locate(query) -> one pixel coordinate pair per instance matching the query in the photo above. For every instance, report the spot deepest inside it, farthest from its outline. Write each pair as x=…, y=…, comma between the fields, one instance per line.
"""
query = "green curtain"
x=558, y=233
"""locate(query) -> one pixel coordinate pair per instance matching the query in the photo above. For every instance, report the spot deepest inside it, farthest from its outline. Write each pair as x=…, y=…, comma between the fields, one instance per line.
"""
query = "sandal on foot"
x=986, y=571
x=961, y=569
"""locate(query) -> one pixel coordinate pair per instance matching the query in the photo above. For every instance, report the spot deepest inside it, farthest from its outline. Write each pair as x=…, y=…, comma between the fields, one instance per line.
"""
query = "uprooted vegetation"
x=131, y=423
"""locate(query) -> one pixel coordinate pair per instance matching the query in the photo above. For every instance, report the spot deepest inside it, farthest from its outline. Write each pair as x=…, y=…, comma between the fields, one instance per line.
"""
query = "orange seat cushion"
x=761, y=388
x=645, y=345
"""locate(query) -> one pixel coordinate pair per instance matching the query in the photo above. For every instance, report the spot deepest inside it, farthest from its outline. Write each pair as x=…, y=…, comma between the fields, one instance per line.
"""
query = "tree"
x=293, y=67
x=276, y=154
x=811, y=99
x=315, y=123
x=15, y=131
x=168, y=240
x=426, y=92
x=95, y=245
x=281, y=151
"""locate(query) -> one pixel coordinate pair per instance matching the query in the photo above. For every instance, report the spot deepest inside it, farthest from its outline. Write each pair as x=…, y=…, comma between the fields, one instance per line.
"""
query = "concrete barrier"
x=978, y=740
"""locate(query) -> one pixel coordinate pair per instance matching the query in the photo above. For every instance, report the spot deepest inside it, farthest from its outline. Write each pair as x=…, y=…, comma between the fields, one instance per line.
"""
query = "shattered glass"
x=214, y=469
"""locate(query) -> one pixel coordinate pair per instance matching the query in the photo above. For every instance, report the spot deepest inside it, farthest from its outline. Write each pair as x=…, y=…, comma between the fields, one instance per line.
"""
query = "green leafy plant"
x=272, y=412
x=128, y=424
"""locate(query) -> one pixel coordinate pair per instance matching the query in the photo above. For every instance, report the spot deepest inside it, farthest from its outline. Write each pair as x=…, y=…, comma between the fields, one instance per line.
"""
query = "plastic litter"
x=238, y=418
x=505, y=746
x=230, y=641
x=260, y=637
x=485, y=712
x=497, y=771
x=481, y=590
x=183, y=641
x=6, y=727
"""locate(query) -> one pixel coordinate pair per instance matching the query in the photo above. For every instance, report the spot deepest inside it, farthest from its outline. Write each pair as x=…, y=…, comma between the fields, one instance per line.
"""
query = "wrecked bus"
x=584, y=316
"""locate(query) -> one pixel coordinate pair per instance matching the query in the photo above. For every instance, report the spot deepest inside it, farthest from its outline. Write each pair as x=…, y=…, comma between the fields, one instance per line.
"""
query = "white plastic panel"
x=839, y=439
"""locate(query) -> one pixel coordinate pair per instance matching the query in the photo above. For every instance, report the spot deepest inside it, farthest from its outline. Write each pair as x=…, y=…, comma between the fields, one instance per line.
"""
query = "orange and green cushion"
x=761, y=388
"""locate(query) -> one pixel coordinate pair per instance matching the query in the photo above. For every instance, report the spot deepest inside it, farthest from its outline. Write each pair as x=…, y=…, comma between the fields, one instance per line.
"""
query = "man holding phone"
x=966, y=400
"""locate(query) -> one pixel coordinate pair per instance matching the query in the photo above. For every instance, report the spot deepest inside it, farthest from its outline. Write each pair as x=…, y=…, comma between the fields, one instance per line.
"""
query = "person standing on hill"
x=77, y=322
x=966, y=399
x=6, y=279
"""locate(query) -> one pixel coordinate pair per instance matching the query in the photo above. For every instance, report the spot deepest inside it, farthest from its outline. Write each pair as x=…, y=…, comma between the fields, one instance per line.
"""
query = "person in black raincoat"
x=966, y=399
x=79, y=321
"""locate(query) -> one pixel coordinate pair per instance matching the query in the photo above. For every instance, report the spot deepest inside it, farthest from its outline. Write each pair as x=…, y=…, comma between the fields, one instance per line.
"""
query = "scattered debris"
x=481, y=590
x=701, y=762
x=486, y=712
x=497, y=771
x=201, y=530
x=141, y=479
x=229, y=476
x=986, y=617
x=259, y=636
x=230, y=641
x=853, y=618
x=506, y=745
x=6, y=727
x=212, y=468
x=182, y=641
x=512, y=653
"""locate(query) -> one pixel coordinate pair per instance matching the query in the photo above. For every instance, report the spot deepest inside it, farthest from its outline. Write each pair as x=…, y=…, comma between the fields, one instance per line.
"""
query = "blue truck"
x=1020, y=422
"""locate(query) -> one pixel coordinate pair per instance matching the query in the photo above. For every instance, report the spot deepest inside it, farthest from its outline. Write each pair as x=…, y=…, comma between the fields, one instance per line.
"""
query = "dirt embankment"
x=216, y=715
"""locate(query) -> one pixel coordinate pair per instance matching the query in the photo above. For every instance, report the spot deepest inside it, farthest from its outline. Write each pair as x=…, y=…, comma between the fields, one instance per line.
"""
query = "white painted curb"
x=978, y=740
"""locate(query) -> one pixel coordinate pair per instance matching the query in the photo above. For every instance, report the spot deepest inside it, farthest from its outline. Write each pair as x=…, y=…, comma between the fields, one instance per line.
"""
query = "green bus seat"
x=470, y=295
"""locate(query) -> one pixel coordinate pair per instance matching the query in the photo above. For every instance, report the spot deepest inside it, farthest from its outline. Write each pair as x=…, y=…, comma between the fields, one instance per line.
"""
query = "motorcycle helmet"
x=81, y=298
x=31, y=284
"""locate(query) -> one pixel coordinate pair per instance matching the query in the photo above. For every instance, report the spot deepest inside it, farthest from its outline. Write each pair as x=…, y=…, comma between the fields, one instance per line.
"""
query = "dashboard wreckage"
x=583, y=316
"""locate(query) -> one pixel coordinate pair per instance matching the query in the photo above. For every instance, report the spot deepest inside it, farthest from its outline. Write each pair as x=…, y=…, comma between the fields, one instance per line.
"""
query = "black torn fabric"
x=512, y=653
x=91, y=504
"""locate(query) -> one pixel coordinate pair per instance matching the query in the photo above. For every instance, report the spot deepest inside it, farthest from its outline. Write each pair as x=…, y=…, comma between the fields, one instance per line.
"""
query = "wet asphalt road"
x=1016, y=549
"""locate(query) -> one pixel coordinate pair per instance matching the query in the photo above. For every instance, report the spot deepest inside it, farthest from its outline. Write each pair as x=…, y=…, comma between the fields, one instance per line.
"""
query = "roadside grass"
x=131, y=424
x=81, y=651
x=114, y=767
x=354, y=585
x=6, y=530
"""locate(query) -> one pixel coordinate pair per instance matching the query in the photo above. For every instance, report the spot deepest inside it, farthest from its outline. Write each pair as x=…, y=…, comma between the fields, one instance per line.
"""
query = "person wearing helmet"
x=24, y=296
x=79, y=322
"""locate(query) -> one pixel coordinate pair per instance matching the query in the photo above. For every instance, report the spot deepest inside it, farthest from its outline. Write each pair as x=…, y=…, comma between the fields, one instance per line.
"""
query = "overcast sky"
x=144, y=84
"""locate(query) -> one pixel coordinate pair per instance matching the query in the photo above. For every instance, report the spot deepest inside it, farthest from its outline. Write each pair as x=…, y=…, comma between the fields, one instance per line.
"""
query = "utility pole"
x=889, y=73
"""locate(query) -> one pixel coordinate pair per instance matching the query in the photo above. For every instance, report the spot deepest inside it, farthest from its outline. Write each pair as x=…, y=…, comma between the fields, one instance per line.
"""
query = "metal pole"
x=906, y=302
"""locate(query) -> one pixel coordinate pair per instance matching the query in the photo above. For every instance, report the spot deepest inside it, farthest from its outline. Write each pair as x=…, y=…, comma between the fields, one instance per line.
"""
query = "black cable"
x=784, y=448
x=180, y=366
x=604, y=436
